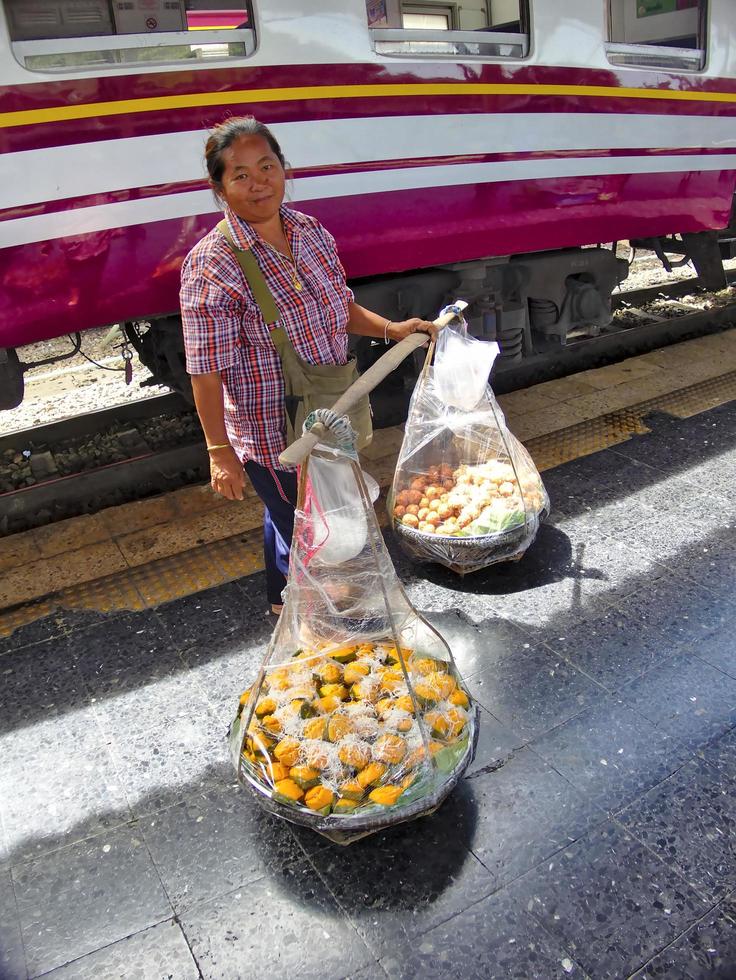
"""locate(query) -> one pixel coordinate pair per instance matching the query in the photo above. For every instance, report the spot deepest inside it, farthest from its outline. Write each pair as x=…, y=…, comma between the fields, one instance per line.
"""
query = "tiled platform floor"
x=594, y=836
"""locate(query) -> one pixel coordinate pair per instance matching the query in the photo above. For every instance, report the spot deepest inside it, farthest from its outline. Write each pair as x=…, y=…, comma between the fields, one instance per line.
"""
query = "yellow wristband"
x=225, y=445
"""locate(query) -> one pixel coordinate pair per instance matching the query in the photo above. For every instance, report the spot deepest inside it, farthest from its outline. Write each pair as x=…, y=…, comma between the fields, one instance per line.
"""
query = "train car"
x=472, y=149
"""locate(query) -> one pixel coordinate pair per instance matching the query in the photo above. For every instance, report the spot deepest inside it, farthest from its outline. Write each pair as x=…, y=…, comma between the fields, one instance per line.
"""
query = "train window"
x=484, y=28
x=658, y=33
x=60, y=35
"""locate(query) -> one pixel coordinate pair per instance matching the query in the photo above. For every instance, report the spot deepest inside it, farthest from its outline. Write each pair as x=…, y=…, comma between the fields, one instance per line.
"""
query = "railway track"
x=91, y=461
x=97, y=460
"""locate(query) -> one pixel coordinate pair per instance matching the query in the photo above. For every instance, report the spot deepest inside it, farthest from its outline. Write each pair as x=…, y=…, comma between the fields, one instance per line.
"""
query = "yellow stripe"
x=329, y=92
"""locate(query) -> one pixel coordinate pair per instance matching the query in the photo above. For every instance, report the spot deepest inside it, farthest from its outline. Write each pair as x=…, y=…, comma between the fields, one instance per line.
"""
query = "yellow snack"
x=435, y=687
x=316, y=727
x=351, y=790
x=344, y=806
x=372, y=774
x=304, y=776
x=438, y=723
x=386, y=795
x=266, y=706
x=288, y=790
x=316, y=754
x=355, y=754
x=355, y=672
x=396, y=656
x=287, y=751
x=366, y=689
x=457, y=719
x=334, y=690
x=459, y=698
x=389, y=749
x=319, y=798
x=338, y=727
x=260, y=743
x=276, y=771
x=328, y=704
x=405, y=703
x=392, y=679
x=428, y=666
x=329, y=673
x=271, y=723
x=384, y=706
x=344, y=655
x=244, y=696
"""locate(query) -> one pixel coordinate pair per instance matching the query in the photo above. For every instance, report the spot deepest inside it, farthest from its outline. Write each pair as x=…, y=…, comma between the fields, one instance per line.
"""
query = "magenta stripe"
x=165, y=190
x=182, y=82
x=56, y=287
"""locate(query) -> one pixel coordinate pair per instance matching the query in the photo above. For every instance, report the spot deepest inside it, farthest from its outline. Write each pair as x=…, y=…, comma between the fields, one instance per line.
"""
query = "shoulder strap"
x=254, y=277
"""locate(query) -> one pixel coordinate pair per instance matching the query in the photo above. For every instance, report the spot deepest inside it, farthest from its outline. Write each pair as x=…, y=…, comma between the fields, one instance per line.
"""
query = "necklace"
x=295, y=280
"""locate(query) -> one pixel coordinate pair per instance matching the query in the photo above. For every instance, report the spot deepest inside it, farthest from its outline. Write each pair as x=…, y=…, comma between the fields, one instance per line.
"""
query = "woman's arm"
x=226, y=470
x=365, y=323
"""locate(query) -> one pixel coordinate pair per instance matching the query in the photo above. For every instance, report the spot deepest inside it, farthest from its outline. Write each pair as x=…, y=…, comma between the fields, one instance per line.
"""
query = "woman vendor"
x=236, y=369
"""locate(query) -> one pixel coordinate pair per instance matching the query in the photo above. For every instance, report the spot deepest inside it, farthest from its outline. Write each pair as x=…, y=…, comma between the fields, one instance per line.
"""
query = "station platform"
x=593, y=834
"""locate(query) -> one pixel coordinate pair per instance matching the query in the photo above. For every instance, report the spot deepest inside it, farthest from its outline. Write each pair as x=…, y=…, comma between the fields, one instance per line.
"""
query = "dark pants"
x=277, y=490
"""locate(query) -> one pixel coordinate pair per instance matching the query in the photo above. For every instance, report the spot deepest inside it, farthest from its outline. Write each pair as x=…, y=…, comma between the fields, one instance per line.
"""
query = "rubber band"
x=339, y=428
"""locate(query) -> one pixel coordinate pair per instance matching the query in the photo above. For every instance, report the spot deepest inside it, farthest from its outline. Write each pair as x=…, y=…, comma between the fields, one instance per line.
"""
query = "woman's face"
x=253, y=180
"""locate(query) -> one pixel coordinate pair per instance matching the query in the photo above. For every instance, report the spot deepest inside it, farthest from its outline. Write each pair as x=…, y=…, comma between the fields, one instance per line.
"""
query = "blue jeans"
x=277, y=490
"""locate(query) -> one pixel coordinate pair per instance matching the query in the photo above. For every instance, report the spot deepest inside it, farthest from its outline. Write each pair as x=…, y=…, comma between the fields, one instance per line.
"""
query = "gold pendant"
x=297, y=285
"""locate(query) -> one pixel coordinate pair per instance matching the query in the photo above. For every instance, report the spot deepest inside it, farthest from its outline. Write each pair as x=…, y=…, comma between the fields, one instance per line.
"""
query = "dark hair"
x=225, y=134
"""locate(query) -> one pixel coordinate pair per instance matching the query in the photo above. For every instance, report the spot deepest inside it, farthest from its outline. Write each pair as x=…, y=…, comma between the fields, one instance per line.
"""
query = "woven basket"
x=460, y=554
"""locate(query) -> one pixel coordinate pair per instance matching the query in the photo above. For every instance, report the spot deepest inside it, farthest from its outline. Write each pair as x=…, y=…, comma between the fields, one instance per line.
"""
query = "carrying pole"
x=296, y=452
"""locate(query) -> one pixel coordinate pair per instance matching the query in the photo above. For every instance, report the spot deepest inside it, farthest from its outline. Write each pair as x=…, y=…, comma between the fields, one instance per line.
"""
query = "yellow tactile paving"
x=180, y=575
x=106, y=595
x=156, y=550
x=696, y=398
x=584, y=438
x=13, y=619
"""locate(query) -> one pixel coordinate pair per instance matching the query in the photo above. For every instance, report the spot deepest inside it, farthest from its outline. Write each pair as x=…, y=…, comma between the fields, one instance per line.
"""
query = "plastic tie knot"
x=338, y=426
x=453, y=308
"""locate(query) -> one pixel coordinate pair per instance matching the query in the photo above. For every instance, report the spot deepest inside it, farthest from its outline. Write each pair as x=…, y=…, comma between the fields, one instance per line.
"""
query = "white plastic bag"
x=339, y=531
x=462, y=367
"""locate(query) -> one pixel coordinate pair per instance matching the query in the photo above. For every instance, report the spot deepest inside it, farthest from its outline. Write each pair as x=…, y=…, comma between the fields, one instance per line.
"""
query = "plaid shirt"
x=224, y=330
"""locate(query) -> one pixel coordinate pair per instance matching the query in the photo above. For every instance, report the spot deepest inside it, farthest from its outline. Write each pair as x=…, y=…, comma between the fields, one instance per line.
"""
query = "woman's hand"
x=402, y=329
x=227, y=475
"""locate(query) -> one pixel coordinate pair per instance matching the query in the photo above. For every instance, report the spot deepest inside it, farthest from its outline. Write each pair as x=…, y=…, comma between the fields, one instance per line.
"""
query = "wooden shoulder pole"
x=295, y=453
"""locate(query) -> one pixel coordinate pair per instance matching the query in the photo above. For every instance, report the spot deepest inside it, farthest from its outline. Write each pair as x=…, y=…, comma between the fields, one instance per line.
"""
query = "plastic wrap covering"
x=466, y=493
x=358, y=718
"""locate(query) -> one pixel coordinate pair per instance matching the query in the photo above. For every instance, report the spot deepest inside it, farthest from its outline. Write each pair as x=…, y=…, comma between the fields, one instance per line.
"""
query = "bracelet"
x=224, y=445
x=385, y=331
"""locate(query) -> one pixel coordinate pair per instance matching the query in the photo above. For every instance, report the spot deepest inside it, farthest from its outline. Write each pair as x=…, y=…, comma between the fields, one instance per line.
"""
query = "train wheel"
x=12, y=384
